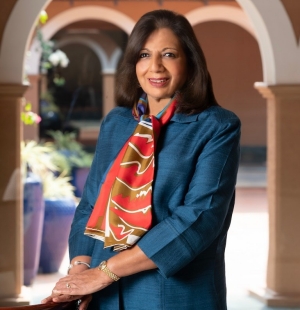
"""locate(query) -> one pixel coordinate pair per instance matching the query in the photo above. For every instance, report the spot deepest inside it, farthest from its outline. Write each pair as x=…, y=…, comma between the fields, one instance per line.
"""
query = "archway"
x=234, y=62
x=108, y=54
x=234, y=86
x=279, y=50
x=221, y=13
x=21, y=27
x=108, y=64
x=278, y=46
x=108, y=68
x=74, y=15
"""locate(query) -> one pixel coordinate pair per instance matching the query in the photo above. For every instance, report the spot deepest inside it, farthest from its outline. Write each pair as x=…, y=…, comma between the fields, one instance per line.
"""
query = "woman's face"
x=161, y=68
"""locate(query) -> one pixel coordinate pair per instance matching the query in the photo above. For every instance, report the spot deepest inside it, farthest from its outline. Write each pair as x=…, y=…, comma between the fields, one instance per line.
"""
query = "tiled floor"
x=247, y=245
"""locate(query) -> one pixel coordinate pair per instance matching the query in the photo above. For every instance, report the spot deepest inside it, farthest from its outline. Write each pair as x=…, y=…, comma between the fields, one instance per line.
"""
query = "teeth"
x=158, y=81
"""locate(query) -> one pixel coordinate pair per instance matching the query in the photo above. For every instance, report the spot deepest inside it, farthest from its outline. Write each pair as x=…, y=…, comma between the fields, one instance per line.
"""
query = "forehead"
x=163, y=36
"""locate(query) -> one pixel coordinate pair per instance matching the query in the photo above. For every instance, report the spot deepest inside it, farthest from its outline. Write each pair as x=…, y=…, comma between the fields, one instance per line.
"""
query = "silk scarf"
x=123, y=210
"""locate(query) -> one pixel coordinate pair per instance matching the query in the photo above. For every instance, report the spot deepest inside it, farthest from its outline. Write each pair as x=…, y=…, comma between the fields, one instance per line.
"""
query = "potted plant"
x=46, y=222
x=60, y=205
x=80, y=161
x=34, y=159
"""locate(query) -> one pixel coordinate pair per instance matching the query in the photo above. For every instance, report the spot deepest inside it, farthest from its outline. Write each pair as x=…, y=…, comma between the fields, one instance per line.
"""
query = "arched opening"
x=22, y=26
x=235, y=65
x=94, y=48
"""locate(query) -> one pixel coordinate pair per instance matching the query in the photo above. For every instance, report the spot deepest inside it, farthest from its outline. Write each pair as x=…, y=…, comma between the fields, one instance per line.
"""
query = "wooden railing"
x=50, y=306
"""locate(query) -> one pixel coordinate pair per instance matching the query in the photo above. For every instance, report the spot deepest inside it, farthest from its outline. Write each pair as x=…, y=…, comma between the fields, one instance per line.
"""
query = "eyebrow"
x=165, y=48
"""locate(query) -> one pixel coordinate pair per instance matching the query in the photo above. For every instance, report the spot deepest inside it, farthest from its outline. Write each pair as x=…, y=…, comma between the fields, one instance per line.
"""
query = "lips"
x=158, y=82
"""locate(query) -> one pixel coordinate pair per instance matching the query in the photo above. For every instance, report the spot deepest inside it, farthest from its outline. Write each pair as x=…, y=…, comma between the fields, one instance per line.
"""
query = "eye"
x=144, y=55
x=171, y=55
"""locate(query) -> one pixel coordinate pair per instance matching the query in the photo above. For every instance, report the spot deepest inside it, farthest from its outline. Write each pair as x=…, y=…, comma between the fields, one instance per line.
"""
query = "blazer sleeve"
x=195, y=224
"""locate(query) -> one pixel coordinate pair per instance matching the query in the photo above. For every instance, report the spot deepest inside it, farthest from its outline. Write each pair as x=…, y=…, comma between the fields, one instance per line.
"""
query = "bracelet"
x=104, y=268
x=77, y=262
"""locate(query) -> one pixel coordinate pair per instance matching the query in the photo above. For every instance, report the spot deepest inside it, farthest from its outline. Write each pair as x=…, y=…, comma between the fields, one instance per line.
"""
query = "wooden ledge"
x=49, y=306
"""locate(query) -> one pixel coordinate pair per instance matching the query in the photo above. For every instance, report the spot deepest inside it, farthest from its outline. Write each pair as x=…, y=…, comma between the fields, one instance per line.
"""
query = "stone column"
x=11, y=206
x=108, y=80
x=283, y=147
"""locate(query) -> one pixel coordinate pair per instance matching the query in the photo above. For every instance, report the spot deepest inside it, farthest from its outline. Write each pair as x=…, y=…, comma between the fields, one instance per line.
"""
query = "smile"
x=158, y=82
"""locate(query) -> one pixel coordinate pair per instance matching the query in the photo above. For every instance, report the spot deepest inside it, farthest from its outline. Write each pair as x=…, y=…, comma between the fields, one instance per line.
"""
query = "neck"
x=155, y=106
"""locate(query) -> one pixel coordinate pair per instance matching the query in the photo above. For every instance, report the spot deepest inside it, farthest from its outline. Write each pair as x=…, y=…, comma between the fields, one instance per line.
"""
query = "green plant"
x=36, y=158
x=50, y=59
x=66, y=144
x=59, y=160
x=46, y=162
x=57, y=186
x=47, y=96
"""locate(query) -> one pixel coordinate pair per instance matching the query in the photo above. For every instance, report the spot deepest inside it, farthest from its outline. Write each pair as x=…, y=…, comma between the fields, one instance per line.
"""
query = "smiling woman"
x=161, y=68
x=152, y=223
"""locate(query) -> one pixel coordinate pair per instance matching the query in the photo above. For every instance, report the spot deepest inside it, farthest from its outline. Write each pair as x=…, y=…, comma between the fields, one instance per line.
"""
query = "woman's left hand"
x=83, y=283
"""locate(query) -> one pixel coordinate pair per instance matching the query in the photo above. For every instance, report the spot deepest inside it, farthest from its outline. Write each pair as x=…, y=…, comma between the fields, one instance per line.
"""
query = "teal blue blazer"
x=193, y=197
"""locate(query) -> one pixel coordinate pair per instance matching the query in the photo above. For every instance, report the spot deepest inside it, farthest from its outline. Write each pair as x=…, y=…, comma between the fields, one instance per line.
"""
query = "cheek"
x=140, y=68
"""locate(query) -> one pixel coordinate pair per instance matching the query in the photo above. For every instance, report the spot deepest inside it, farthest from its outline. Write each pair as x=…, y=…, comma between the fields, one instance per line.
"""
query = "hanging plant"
x=50, y=59
x=28, y=117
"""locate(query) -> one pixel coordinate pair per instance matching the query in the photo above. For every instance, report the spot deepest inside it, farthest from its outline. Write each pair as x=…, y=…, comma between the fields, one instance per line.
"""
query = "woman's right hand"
x=84, y=299
x=82, y=304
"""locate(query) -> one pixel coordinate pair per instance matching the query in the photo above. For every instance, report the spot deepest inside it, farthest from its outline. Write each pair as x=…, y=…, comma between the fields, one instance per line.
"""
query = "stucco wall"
x=5, y=9
x=234, y=62
x=293, y=9
x=140, y=7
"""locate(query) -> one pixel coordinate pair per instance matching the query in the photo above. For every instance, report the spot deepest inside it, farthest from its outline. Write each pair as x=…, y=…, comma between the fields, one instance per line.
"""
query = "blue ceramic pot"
x=33, y=225
x=59, y=214
x=79, y=176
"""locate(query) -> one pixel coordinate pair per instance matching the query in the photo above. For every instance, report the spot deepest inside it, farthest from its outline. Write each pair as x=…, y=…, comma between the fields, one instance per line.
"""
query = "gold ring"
x=68, y=285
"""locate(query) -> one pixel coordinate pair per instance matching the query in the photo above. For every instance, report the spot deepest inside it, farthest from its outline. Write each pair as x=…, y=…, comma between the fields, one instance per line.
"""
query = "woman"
x=162, y=226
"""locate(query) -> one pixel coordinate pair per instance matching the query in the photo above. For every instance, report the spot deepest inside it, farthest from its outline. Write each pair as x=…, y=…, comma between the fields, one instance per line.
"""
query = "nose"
x=156, y=64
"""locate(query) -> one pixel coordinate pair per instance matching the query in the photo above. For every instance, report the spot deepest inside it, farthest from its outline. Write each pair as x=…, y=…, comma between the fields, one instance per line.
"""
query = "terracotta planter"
x=59, y=214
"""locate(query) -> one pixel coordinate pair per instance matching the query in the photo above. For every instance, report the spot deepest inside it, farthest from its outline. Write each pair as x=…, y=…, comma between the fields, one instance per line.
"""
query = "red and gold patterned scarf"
x=122, y=213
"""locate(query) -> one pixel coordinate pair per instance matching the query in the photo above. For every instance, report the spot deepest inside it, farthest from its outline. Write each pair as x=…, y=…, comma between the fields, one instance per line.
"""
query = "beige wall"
x=234, y=62
x=140, y=7
x=293, y=9
x=5, y=10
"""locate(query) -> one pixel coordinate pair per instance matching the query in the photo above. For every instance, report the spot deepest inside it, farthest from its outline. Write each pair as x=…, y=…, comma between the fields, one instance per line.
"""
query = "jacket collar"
x=177, y=117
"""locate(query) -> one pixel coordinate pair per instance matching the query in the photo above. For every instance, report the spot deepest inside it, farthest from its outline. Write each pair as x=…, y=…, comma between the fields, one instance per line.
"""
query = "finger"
x=85, y=302
x=66, y=288
x=65, y=298
x=63, y=288
x=46, y=300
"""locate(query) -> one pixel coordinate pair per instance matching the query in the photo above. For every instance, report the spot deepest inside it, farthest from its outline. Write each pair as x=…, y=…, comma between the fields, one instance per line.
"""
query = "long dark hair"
x=197, y=93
